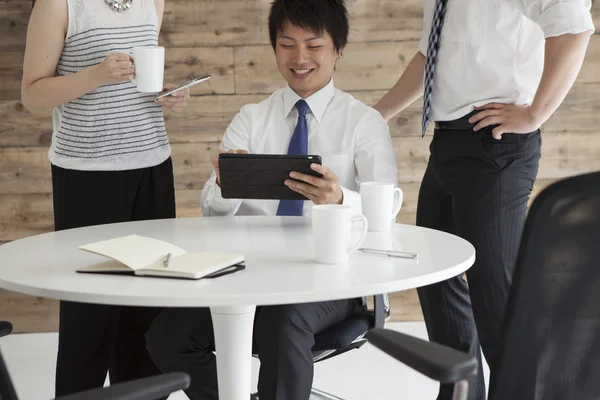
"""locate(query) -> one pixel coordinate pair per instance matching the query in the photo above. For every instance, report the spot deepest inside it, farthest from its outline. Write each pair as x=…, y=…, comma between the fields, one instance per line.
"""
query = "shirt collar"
x=317, y=102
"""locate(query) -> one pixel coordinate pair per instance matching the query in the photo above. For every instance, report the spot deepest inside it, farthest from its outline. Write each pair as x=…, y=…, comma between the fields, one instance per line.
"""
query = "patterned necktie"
x=298, y=146
x=432, y=51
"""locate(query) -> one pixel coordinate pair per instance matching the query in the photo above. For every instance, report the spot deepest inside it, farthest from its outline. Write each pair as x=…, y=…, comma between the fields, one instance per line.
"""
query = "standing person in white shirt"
x=308, y=37
x=488, y=89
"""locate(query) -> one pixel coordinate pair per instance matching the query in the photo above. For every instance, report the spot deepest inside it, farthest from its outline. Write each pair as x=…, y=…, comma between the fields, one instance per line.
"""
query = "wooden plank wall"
x=228, y=39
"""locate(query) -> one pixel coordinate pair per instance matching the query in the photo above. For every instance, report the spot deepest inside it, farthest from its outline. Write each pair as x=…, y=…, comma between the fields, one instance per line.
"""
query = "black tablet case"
x=262, y=176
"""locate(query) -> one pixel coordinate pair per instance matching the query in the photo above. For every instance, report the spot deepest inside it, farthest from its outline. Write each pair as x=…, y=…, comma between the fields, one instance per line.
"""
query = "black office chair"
x=151, y=388
x=349, y=335
x=550, y=346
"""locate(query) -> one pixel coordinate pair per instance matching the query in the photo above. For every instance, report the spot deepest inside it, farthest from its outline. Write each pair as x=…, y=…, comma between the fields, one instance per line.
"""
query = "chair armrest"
x=5, y=328
x=151, y=388
x=379, y=310
x=433, y=360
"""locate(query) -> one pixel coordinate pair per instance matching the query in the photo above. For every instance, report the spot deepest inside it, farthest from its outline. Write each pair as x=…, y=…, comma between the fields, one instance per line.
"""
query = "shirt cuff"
x=566, y=18
x=352, y=199
x=217, y=203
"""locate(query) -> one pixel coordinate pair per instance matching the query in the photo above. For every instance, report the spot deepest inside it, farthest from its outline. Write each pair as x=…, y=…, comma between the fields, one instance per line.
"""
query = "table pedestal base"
x=233, y=328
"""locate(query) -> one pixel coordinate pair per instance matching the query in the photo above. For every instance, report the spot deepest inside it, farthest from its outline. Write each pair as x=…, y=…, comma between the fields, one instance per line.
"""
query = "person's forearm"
x=47, y=93
x=408, y=89
x=563, y=59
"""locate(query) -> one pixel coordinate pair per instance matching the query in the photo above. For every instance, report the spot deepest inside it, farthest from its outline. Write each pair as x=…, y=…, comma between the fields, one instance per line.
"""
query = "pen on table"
x=391, y=253
x=167, y=259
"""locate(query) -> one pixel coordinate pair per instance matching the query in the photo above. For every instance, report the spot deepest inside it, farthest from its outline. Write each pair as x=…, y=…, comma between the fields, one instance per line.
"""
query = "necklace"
x=117, y=6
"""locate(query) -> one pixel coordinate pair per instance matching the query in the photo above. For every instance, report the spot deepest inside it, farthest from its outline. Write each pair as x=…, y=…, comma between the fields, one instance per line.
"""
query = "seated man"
x=310, y=116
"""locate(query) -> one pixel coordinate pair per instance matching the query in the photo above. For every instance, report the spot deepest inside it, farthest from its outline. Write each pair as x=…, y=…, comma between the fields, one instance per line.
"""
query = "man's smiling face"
x=305, y=59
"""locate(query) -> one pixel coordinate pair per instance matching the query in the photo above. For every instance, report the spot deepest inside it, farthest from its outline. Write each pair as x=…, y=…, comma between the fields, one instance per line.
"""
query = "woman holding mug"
x=110, y=160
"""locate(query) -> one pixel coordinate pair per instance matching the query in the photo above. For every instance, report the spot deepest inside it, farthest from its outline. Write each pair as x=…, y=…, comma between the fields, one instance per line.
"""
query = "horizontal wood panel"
x=207, y=117
x=32, y=214
x=590, y=70
x=580, y=111
x=563, y=155
x=364, y=66
x=25, y=215
x=190, y=23
x=21, y=128
x=14, y=16
x=225, y=22
x=27, y=170
x=405, y=306
x=28, y=313
x=11, y=73
x=183, y=64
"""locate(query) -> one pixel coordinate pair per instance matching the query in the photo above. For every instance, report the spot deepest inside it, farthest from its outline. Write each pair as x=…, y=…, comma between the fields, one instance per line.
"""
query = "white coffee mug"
x=149, y=65
x=381, y=202
x=332, y=228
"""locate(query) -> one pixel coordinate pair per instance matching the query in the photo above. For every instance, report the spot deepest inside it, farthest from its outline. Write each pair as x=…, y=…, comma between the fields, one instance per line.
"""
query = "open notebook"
x=142, y=255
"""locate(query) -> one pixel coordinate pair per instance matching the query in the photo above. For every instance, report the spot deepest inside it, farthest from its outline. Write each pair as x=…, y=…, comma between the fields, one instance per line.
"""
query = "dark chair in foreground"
x=550, y=347
x=348, y=335
x=152, y=388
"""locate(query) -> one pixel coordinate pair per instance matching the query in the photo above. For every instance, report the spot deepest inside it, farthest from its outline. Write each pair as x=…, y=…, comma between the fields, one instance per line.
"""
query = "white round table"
x=280, y=269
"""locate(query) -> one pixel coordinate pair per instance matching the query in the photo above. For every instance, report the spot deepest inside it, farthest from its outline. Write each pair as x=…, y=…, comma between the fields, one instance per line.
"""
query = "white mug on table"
x=332, y=228
x=381, y=202
x=149, y=65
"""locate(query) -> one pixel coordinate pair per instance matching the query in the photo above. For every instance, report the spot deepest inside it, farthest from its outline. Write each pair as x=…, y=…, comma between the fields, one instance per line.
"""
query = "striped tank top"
x=114, y=127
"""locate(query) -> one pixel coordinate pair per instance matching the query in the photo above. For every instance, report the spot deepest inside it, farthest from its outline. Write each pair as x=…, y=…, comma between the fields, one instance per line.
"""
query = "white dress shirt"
x=352, y=139
x=493, y=50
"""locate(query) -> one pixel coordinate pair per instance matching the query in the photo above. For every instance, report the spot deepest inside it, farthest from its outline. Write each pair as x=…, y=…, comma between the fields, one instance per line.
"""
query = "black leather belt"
x=457, y=124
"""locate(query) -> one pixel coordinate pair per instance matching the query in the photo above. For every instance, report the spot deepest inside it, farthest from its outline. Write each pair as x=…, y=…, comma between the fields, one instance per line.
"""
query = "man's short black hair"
x=314, y=15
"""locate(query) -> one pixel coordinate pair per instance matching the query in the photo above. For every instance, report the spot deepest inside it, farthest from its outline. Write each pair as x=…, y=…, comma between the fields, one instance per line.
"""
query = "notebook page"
x=135, y=251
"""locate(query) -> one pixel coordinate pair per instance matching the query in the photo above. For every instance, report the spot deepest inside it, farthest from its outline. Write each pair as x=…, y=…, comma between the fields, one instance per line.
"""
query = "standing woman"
x=110, y=159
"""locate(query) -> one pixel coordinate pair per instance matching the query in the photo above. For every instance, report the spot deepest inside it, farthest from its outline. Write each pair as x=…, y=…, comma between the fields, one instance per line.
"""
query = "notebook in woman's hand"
x=142, y=255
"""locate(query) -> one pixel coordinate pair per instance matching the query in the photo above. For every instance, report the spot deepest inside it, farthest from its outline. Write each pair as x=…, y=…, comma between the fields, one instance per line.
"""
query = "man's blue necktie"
x=298, y=146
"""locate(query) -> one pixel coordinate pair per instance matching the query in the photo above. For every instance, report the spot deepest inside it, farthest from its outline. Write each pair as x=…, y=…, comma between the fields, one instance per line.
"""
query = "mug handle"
x=398, y=205
x=130, y=54
x=363, y=219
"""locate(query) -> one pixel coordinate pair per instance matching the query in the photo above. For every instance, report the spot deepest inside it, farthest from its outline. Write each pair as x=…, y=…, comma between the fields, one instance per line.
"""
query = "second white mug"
x=332, y=228
x=381, y=202
x=149, y=64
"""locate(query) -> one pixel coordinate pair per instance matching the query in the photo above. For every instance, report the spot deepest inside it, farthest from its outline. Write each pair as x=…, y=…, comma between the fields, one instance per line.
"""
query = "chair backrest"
x=550, y=348
x=7, y=390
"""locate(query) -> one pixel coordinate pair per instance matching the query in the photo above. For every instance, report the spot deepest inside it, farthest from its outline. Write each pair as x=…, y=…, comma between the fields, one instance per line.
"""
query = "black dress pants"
x=477, y=188
x=94, y=339
x=183, y=340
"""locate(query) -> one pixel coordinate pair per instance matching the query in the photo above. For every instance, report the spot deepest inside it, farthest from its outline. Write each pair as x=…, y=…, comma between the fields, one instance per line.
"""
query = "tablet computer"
x=262, y=176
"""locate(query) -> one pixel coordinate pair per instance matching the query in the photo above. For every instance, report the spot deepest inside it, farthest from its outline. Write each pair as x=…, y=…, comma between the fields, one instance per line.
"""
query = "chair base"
x=315, y=394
